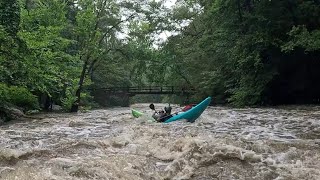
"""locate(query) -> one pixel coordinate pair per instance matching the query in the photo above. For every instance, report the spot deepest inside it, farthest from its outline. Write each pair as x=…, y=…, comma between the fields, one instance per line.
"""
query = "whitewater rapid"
x=224, y=143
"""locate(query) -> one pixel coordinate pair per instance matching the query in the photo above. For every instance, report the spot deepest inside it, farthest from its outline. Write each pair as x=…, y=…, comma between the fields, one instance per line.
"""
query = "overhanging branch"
x=114, y=26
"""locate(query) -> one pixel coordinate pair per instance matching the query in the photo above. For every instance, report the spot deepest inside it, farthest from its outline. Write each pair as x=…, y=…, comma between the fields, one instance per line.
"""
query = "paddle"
x=151, y=106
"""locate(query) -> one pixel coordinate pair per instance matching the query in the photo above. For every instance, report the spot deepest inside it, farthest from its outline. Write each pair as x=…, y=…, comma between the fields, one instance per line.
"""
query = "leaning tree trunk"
x=75, y=105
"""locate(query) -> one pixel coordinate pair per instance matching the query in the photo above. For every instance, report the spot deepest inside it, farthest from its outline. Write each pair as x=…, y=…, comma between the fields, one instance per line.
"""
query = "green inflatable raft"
x=136, y=113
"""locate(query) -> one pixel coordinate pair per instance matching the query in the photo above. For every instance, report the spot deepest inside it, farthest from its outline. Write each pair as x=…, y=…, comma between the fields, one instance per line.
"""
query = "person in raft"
x=162, y=116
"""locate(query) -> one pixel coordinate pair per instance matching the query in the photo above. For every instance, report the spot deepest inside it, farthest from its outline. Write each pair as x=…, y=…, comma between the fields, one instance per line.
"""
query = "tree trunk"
x=75, y=105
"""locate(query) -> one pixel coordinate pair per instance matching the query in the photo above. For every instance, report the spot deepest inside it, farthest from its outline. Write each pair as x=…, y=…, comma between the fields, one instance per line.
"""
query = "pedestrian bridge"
x=133, y=90
x=105, y=95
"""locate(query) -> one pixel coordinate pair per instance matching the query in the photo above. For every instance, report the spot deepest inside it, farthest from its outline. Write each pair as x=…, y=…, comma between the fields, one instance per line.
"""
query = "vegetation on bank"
x=242, y=52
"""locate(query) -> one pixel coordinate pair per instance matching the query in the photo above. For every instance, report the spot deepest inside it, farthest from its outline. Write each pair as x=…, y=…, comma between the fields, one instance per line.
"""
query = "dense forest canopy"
x=243, y=52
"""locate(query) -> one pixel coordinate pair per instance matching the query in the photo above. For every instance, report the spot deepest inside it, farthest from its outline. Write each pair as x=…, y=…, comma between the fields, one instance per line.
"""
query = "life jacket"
x=189, y=106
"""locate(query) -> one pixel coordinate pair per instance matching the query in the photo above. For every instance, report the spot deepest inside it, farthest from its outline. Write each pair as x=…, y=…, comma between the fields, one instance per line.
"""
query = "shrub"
x=68, y=100
x=18, y=96
x=4, y=93
x=21, y=97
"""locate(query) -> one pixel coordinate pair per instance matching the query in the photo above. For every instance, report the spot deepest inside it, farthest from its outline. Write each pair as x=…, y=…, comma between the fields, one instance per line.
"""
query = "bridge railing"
x=148, y=89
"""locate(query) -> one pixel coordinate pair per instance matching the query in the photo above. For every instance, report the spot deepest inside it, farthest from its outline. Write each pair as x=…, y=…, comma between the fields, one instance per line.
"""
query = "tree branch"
x=114, y=26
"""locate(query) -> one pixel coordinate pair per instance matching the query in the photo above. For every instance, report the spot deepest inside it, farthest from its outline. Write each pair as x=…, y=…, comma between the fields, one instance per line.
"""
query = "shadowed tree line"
x=248, y=52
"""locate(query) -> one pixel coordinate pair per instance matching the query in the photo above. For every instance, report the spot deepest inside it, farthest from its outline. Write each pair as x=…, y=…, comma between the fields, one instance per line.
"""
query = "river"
x=223, y=144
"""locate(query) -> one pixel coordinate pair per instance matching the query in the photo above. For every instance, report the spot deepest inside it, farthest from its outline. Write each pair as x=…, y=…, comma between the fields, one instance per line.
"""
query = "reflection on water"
x=224, y=143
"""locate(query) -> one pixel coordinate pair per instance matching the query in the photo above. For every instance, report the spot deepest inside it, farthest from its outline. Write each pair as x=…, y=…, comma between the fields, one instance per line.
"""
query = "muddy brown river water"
x=224, y=143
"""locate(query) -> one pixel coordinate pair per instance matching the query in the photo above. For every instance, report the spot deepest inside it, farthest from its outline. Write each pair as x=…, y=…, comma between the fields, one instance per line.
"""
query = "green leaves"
x=10, y=58
x=18, y=96
x=237, y=50
x=42, y=31
x=301, y=37
x=10, y=16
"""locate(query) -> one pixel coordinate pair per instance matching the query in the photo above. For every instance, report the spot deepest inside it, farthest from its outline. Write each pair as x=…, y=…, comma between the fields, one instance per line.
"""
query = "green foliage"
x=8, y=57
x=237, y=51
x=243, y=52
x=50, y=66
x=23, y=98
x=301, y=37
x=18, y=96
x=10, y=16
x=69, y=99
x=87, y=102
x=4, y=93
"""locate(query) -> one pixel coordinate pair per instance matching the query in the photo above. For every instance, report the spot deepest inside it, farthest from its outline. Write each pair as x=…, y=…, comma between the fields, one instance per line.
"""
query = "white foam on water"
x=224, y=143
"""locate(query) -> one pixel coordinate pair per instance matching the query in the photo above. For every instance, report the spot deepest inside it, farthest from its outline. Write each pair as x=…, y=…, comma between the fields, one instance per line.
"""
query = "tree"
x=241, y=51
x=10, y=16
x=50, y=66
x=98, y=25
